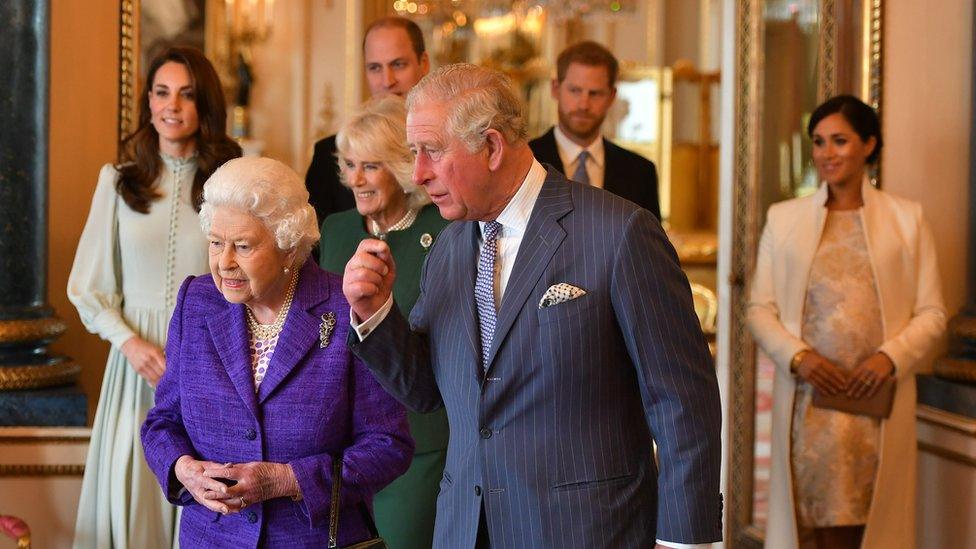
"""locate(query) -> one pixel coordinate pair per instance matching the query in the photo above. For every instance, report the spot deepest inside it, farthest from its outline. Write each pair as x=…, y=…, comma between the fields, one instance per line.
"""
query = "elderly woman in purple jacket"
x=260, y=393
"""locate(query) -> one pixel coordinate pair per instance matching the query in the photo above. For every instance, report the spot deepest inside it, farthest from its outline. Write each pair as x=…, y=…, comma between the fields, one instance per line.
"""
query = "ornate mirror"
x=790, y=56
x=224, y=29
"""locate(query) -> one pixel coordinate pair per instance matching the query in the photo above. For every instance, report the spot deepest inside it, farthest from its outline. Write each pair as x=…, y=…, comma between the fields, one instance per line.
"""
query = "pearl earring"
x=287, y=270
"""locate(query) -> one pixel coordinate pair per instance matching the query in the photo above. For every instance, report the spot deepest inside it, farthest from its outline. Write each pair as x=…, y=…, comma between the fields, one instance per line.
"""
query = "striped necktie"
x=580, y=174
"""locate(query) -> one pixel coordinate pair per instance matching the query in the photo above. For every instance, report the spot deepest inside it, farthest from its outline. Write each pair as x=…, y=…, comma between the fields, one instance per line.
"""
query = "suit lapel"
x=467, y=266
x=542, y=238
x=613, y=180
x=301, y=329
x=230, y=337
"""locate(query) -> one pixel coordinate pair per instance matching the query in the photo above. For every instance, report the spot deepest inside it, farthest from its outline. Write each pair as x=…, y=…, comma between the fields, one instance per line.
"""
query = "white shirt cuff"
x=684, y=545
x=364, y=329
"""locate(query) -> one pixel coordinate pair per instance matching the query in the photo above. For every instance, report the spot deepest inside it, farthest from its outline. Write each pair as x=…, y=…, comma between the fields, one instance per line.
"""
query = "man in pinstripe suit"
x=557, y=328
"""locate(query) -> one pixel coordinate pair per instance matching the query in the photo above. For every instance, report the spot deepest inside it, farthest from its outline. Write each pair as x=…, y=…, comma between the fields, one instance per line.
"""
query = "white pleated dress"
x=127, y=271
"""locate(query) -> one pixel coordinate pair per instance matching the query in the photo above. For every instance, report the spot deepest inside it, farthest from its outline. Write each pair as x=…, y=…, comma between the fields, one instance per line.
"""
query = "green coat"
x=405, y=509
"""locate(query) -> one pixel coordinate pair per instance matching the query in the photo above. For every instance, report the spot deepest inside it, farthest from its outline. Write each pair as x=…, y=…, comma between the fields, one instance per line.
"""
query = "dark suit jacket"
x=314, y=403
x=627, y=174
x=325, y=192
x=555, y=440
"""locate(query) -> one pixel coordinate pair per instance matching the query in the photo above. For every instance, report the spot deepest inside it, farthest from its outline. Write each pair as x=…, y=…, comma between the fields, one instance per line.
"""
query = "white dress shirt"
x=569, y=153
x=514, y=220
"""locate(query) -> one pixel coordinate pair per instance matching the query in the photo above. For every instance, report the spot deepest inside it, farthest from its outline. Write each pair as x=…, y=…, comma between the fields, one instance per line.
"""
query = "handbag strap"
x=334, y=507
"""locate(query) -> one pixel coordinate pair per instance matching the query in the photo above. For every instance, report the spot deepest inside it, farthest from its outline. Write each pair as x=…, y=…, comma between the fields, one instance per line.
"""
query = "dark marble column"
x=953, y=387
x=27, y=323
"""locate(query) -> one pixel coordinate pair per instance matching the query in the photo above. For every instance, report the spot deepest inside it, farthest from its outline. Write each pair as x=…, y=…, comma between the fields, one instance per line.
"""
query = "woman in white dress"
x=142, y=238
x=846, y=294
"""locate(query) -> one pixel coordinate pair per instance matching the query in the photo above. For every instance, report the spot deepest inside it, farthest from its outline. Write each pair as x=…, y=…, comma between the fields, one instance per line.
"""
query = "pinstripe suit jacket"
x=555, y=440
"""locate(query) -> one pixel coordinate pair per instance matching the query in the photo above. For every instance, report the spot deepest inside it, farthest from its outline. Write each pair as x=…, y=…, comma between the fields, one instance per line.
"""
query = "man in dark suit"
x=556, y=327
x=395, y=59
x=584, y=90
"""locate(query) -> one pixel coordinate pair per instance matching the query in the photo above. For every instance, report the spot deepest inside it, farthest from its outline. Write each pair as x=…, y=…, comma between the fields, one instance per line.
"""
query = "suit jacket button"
x=485, y=433
x=250, y=434
x=477, y=490
x=252, y=517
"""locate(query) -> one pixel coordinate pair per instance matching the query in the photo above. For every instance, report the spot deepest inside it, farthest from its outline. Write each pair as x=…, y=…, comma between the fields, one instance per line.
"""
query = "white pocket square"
x=560, y=293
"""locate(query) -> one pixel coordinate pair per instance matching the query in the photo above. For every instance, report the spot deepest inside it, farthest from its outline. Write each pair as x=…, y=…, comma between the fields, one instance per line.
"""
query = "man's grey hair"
x=378, y=133
x=477, y=99
x=271, y=192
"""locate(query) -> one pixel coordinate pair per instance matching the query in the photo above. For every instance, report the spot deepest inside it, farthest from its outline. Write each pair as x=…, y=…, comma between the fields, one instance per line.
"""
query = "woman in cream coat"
x=900, y=268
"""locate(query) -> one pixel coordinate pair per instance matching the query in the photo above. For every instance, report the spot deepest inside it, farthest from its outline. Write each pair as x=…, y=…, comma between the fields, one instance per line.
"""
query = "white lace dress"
x=127, y=271
x=835, y=454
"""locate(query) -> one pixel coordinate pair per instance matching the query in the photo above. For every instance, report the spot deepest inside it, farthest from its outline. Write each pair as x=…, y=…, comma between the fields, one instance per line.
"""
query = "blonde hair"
x=270, y=191
x=477, y=99
x=378, y=132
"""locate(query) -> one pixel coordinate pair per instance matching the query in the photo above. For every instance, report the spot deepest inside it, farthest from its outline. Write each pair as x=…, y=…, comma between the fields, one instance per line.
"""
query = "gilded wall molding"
x=748, y=68
x=948, y=454
x=37, y=470
x=127, y=68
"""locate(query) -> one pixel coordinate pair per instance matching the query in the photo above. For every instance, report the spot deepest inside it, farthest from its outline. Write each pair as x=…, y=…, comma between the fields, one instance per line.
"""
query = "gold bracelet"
x=797, y=359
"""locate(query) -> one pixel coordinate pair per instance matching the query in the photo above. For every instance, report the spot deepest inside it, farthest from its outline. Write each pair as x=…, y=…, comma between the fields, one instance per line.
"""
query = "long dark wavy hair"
x=140, y=162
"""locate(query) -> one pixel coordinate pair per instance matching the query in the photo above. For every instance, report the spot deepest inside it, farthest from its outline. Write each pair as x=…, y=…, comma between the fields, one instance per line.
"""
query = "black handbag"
x=374, y=541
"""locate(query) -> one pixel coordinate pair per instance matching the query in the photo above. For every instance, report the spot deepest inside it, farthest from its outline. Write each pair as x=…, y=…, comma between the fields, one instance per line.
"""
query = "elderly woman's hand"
x=147, y=359
x=255, y=482
x=823, y=374
x=867, y=377
x=204, y=489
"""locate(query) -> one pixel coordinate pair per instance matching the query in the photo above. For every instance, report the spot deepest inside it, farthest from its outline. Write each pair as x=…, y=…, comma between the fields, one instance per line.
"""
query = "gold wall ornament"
x=748, y=66
x=62, y=371
x=39, y=329
x=127, y=70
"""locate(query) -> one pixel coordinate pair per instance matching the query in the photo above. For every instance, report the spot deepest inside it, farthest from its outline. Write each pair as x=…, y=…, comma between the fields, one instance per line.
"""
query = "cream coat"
x=902, y=255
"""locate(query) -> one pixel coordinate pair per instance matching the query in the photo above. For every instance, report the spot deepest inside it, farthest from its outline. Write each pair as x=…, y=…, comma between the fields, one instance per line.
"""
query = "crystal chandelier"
x=560, y=10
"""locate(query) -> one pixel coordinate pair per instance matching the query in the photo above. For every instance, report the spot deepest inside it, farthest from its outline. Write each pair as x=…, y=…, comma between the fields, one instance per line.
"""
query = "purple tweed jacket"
x=314, y=403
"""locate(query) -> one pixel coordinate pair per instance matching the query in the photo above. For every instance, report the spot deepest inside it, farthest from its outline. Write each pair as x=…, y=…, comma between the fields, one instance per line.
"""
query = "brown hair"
x=587, y=53
x=394, y=21
x=140, y=162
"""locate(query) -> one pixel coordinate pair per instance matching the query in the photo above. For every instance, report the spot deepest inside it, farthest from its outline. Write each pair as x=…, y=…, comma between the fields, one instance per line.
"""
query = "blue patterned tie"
x=580, y=175
x=484, y=288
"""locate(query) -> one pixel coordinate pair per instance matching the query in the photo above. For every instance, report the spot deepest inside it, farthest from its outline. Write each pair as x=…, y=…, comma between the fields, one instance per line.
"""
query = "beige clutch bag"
x=878, y=406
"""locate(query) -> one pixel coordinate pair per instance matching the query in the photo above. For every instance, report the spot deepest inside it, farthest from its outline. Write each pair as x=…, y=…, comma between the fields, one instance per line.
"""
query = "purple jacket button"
x=252, y=517
x=250, y=434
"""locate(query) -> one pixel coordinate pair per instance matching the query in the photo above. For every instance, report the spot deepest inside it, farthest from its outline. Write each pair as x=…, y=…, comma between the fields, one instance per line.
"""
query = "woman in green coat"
x=376, y=164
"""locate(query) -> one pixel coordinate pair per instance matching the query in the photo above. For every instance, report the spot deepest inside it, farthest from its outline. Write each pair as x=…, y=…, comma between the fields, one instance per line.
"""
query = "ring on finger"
x=243, y=503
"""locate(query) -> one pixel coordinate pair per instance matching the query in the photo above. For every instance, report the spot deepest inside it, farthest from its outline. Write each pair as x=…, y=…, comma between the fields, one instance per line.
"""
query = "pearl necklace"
x=265, y=332
x=405, y=222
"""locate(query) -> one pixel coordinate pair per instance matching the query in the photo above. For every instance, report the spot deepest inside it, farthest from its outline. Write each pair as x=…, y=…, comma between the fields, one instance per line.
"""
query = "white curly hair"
x=271, y=192
x=378, y=131
x=477, y=99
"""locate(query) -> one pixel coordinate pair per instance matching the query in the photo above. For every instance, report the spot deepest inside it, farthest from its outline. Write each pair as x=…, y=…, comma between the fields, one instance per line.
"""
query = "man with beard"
x=584, y=89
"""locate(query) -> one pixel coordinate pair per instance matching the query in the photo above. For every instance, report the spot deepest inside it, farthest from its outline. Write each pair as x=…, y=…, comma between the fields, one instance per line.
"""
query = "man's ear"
x=424, y=64
x=554, y=89
x=496, y=145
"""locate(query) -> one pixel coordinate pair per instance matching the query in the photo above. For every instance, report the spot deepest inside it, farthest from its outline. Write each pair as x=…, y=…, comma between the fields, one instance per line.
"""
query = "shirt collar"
x=516, y=214
x=569, y=150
